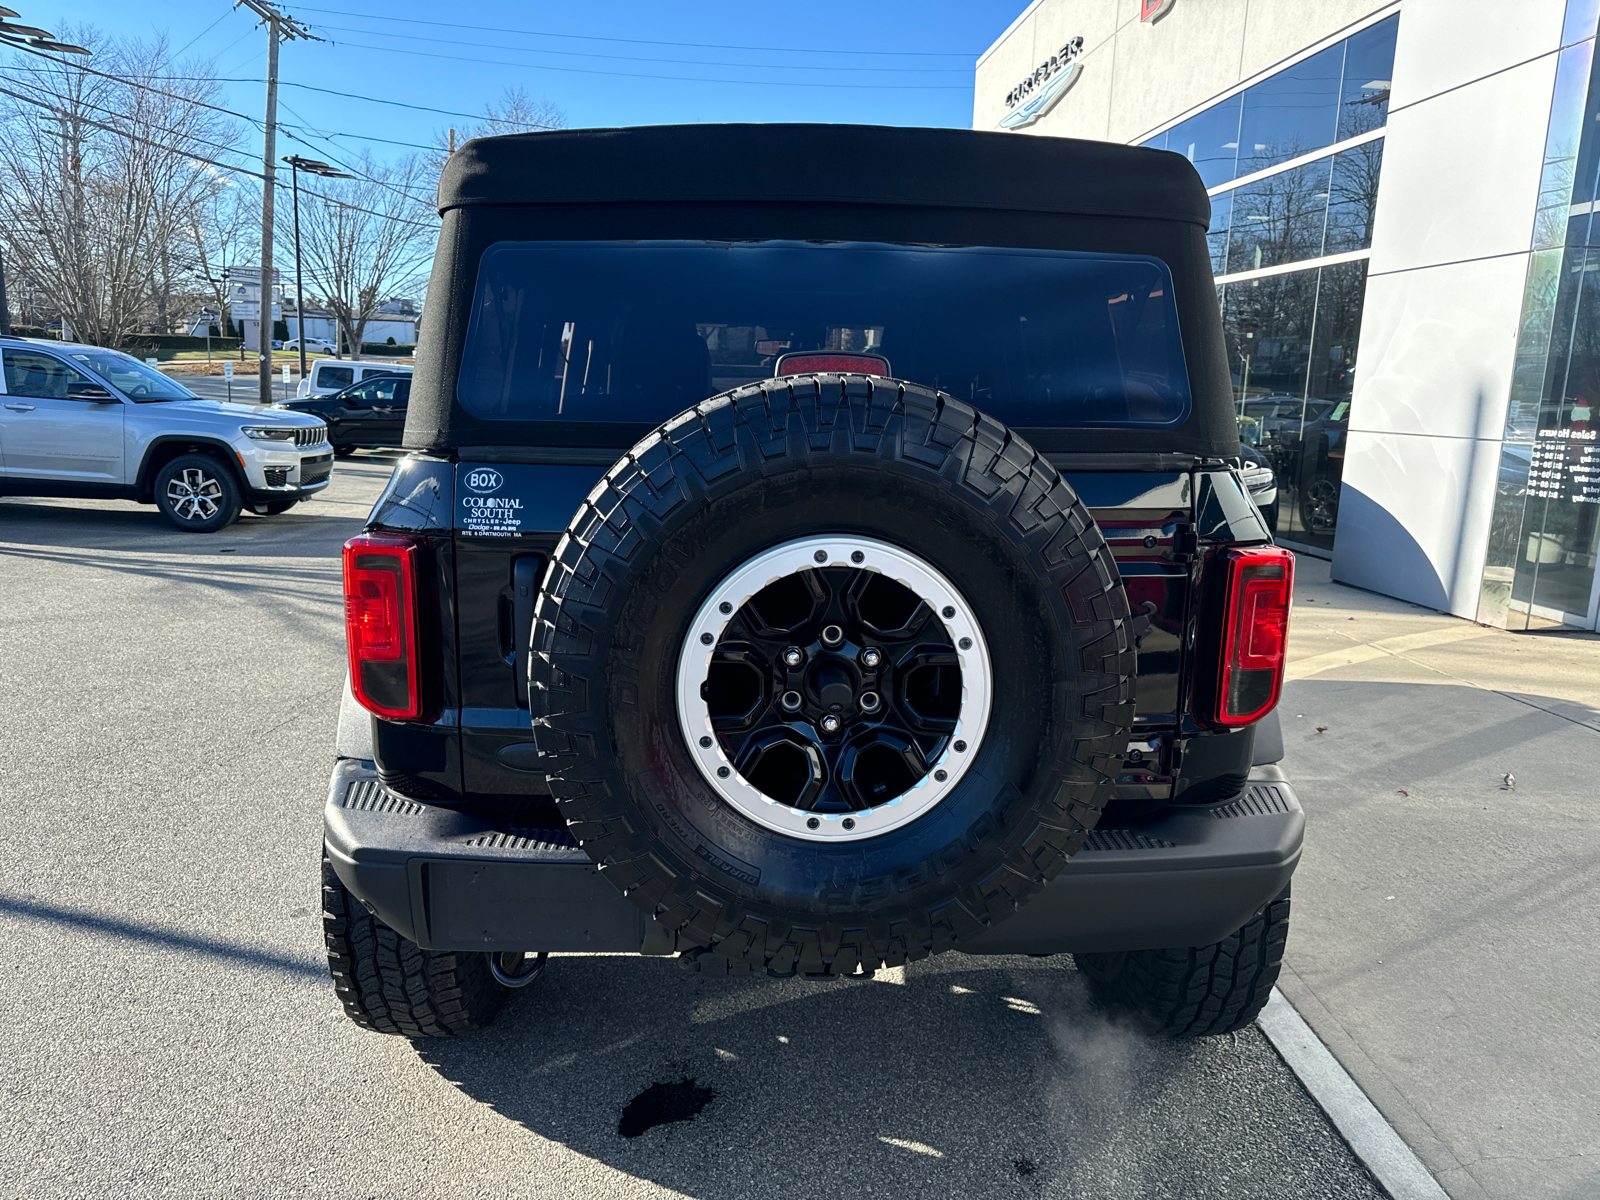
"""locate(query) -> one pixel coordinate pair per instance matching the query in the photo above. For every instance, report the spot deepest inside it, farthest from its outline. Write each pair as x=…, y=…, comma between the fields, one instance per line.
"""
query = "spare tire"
x=830, y=672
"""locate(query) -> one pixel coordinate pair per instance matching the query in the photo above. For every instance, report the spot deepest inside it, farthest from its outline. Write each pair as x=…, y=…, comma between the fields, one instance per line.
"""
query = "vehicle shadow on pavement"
x=974, y=1077
x=303, y=532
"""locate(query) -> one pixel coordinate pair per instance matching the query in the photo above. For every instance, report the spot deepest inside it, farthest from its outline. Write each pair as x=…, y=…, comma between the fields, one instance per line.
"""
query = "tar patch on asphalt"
x=662, y=1104
x=1024, y=1167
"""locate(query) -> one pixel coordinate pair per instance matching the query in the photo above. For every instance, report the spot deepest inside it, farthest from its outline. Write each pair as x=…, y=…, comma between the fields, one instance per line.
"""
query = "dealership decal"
x=1044, y=87
x=489, y=515
x=1152, y=10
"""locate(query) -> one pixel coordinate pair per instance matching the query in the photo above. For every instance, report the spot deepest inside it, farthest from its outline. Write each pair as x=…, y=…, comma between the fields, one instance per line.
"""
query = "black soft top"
x=844, y=183
x=838, y=164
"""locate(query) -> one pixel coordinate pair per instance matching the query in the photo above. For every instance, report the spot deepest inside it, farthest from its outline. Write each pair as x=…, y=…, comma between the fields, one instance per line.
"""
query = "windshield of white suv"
x=132, y=378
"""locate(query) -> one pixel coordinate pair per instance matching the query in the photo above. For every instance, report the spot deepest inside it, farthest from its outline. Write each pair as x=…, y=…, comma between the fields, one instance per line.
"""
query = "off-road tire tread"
x=389, y=984
x=1200, y=991
x=794, y=419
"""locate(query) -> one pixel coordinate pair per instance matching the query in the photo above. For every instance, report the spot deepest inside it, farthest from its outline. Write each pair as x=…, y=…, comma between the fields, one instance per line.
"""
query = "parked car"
x=1260, y=481
x=277, y=344
x=83, y=421
x=366, y=415
x=313, y=346
x=329, y=375
x=806, y=579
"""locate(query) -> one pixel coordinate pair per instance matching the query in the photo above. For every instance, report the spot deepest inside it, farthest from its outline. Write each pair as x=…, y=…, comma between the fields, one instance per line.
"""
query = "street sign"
x=227, y=370
x=150, y=362
x=250, y=310
x=285, y=381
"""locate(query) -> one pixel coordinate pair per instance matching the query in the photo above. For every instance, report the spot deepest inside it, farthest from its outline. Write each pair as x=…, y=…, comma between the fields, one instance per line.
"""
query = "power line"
x=446, y=112
x=338, y=12
x=695, y=62
x=202, y=33
x=189, y=154
x=491, y=62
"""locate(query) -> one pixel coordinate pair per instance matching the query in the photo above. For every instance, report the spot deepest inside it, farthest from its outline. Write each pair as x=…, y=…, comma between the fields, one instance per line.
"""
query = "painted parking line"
x=1373, y=1139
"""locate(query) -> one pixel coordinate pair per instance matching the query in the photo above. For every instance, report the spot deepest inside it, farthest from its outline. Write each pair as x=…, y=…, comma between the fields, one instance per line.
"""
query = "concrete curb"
x=1372, y=1138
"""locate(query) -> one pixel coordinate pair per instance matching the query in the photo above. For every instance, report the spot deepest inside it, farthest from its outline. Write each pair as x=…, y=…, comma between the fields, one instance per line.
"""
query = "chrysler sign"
x=1044, y=87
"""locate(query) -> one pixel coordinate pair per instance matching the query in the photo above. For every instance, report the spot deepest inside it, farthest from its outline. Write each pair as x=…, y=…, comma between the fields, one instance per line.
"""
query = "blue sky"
x=604, y=62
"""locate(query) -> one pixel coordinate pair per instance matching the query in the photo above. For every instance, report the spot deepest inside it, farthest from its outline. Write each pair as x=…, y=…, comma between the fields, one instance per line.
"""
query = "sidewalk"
x=1446, y=940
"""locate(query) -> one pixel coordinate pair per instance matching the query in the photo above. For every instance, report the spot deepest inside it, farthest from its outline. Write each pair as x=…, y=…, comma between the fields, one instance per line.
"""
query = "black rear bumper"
x=449, y=881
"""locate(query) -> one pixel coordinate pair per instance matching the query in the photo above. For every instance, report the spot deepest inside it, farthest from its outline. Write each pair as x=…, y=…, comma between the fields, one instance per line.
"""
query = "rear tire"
x=344, y=451
x=1200, y=991
x=198, y=493
x=389, y=984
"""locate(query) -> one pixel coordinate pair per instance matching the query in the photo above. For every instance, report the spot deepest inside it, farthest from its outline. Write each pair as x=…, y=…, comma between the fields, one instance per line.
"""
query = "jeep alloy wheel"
x=197, y=493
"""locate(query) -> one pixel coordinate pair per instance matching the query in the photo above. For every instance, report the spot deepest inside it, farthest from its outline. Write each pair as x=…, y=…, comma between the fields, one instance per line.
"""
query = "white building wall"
x=1451, y=240
x=1140, y=75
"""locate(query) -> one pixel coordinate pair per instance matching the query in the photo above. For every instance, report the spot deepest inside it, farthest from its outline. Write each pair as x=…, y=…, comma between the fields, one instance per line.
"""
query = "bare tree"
x=517, y=112
x=368, y=239
x=94, y=173
x=223, y=228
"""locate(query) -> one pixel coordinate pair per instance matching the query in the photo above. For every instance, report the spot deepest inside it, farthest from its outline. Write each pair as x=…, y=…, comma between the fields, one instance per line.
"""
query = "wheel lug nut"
x=791, y=701
x=793, y=656
x=869, y=701
x=871, y=657
x=830, y=724
x=832, y=636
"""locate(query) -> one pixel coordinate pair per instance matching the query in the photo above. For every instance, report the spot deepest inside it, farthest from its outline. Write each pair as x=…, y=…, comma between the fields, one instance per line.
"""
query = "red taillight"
x=804, y=362
x=1257, y=587
x=380, y=623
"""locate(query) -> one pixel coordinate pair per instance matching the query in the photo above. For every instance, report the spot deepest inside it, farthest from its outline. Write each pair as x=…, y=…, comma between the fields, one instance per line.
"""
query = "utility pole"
x=280, y=27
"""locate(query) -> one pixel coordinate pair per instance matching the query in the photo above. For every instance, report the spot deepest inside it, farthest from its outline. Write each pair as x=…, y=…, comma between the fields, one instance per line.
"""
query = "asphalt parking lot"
x=170, y=704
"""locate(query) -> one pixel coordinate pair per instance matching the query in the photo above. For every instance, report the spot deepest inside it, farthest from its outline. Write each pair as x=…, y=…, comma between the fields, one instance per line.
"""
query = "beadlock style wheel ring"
x=834, y=688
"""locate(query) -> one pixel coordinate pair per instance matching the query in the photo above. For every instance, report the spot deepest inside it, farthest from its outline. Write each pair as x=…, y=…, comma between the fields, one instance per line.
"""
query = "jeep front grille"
x=313, y=436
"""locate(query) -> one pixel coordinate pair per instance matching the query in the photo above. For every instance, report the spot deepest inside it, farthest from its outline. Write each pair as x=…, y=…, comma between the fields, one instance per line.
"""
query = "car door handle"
x=20, y=407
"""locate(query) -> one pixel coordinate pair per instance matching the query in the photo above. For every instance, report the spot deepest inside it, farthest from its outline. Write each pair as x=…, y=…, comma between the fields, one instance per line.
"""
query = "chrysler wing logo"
x=1151, y=10
x=1042, y=90
x=484, y=480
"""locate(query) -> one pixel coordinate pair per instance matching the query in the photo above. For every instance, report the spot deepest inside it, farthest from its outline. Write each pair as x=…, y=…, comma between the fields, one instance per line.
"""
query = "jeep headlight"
x=269, y=433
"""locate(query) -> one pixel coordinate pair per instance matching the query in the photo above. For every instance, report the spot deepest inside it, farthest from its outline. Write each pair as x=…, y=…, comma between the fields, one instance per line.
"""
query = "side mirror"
x=88, y=391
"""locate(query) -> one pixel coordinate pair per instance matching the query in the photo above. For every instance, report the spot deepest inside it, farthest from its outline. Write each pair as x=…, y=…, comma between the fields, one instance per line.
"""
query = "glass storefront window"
x=1293, y=113
x=1545, y=532
x=1217, y=234
x=1292, y=342
x=1210, y=140
x=1353, y=198
x=1279, y=219
x=1336, y=94
x=1368, y=66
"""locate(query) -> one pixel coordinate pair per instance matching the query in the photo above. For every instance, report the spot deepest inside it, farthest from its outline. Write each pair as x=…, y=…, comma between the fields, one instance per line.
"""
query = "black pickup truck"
x=821, y=548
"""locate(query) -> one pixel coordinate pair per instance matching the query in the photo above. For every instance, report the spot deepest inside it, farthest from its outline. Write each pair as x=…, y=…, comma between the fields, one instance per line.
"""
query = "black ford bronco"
x=821, y=549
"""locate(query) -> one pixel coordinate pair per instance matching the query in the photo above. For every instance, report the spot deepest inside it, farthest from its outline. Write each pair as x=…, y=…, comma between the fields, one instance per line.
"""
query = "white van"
x=329, y=375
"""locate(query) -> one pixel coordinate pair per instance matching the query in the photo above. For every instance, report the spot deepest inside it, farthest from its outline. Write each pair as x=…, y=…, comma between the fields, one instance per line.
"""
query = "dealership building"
x=1402, y=196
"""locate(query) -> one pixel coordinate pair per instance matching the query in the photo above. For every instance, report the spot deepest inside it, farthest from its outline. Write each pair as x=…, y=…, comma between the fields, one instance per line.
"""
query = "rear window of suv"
x=638, y=331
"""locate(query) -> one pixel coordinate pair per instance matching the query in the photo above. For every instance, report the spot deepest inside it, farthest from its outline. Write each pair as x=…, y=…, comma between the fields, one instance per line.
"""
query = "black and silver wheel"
x=834, y=688
x=831, y=673
x=197, y=493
